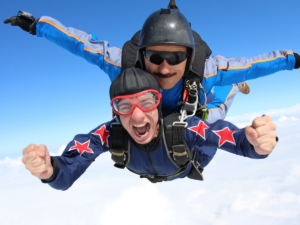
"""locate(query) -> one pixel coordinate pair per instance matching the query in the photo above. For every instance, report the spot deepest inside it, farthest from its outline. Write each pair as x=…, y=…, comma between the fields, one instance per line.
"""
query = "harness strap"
x=117, y=152
x=195, y=174
x=179, y=151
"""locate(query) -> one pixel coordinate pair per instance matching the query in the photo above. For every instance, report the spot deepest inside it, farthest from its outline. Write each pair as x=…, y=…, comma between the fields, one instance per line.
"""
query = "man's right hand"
x=24, y=23
x=38, y=161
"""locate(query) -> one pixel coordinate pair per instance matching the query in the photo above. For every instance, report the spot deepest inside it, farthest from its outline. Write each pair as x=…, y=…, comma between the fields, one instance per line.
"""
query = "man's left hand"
x=261, y=134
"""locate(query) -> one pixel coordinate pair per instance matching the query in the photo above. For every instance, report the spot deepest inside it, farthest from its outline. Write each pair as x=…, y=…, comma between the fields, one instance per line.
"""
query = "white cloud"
x=236, y=190
x=11, y=162
x=277, y=115
x=60, y=151
x=146, y=200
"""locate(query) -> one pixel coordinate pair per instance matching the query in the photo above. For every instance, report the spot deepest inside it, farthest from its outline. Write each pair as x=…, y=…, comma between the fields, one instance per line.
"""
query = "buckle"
x=176, y=123
x=183, y=112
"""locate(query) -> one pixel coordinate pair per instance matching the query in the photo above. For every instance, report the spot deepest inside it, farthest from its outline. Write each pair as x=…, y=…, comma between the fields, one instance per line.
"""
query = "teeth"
x=140, y=125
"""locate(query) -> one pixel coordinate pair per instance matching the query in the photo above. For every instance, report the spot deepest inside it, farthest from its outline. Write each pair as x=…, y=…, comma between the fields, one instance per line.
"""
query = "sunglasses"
x=146, y=101
x=157, y=57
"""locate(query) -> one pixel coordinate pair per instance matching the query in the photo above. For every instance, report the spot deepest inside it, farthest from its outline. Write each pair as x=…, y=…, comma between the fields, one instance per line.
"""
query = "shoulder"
x=99, y=138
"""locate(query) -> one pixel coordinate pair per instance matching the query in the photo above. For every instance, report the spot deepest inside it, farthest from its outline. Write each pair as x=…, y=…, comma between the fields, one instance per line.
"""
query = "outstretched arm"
x=220, y=71
x=75, y=41
x=256, y=141
x=60, y=172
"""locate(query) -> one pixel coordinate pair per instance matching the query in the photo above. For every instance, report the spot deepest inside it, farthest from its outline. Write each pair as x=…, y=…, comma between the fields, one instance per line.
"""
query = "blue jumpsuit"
x=149, y=159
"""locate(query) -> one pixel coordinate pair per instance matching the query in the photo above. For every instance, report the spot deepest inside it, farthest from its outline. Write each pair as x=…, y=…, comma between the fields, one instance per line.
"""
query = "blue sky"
x=48, y=95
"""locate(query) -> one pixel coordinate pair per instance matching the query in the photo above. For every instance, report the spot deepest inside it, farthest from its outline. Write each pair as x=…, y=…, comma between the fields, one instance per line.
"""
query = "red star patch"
x=103, y=134
x=225, y=135
x=82, y=147
x=200, y=129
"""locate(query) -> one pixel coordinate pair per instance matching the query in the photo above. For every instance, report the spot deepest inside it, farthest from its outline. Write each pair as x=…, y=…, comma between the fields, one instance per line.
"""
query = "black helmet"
x=132, y=81
x=167, y=27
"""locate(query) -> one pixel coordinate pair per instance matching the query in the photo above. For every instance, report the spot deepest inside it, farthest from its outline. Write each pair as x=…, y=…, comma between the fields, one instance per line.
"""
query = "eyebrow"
x=124, y=103
x=146, y=99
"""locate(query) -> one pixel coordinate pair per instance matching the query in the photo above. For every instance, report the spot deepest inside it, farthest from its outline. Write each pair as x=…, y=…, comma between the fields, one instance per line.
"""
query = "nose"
x=137, y=114
x=164, y=67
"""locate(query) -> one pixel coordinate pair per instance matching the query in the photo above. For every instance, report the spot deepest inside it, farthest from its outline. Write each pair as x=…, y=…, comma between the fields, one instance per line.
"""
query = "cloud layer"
x=236, y=190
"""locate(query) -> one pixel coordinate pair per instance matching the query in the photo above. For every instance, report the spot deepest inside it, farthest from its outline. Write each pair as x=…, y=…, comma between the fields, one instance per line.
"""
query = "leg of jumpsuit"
x=205, y=154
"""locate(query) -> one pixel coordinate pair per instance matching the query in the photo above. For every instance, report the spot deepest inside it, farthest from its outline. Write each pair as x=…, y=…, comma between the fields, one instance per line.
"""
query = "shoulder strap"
x=174, y=135
x=129, y=52
x=177, y=147
x=202, y=52
x=120, y=146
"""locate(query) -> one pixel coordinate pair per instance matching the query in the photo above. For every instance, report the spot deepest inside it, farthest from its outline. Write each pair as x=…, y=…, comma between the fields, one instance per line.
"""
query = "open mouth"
x=141, y=130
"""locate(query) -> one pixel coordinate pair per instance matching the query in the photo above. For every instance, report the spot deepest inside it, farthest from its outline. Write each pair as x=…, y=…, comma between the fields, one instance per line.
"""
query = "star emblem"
x=225, y=135
x=82, y=147
x=103, y=134
x=200, y=129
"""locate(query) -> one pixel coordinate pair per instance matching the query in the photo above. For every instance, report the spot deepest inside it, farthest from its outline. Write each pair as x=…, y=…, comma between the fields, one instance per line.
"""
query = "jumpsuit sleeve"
x=221, y=71
x=78, y=156
x=82, y=44
x=222, y=135
x=219, y=102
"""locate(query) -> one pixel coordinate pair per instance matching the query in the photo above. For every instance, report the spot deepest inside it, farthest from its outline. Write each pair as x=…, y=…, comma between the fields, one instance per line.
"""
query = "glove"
x=297, y=64
x=24, y=23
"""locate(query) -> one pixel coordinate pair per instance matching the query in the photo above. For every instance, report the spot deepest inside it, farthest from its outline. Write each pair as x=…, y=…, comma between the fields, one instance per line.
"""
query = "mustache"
x=164, y=75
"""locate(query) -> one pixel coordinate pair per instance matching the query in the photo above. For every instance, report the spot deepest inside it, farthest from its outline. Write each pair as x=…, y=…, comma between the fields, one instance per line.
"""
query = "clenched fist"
x=261, y=134
x=38, y=161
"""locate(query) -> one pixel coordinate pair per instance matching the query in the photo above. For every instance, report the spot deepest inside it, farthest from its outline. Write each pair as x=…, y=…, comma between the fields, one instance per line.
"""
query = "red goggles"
x=146, y=101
